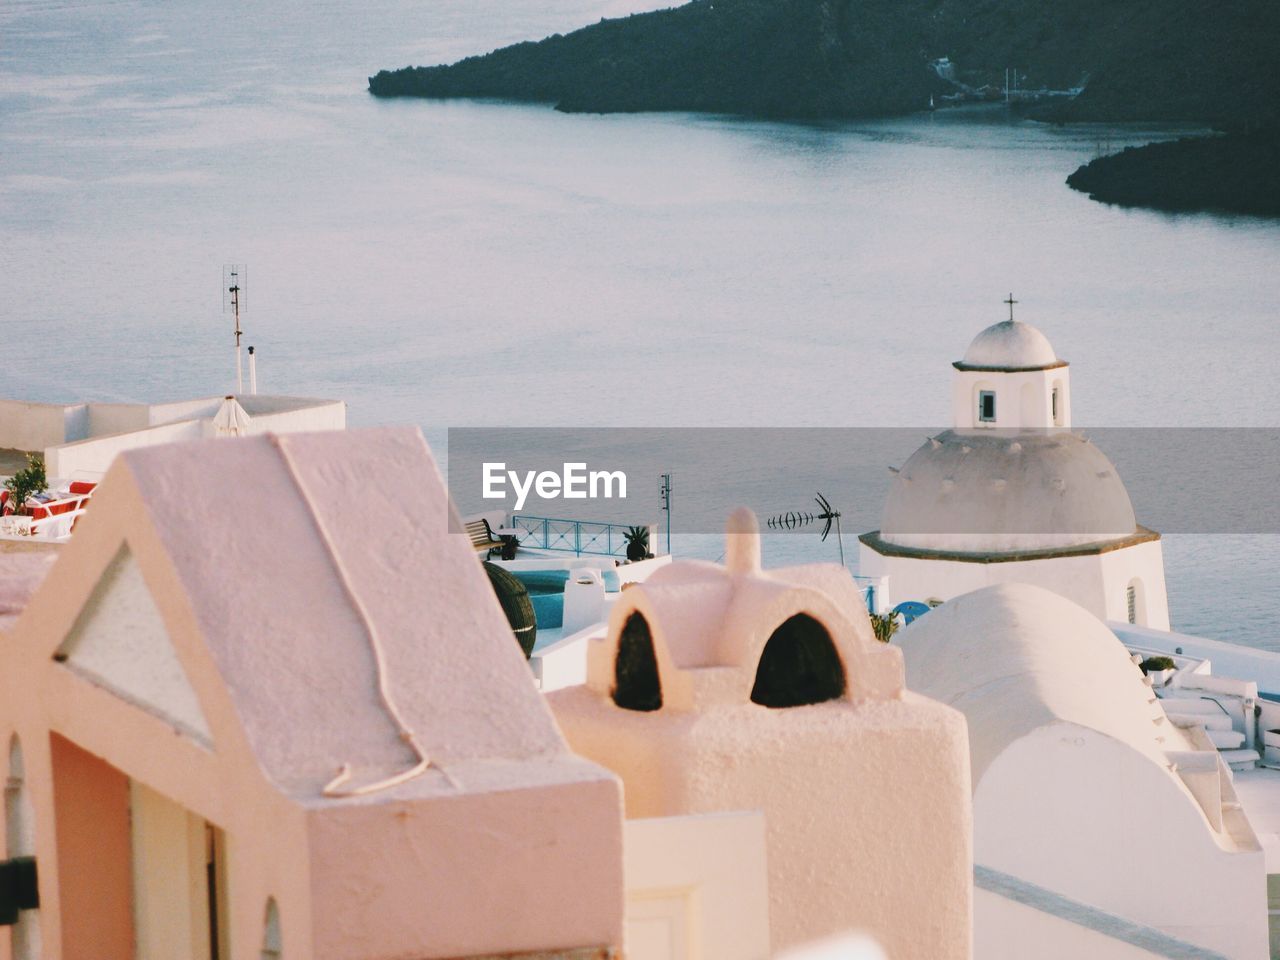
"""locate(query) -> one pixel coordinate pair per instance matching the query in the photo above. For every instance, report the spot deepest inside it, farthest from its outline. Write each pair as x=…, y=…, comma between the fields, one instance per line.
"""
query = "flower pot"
x=16, y=526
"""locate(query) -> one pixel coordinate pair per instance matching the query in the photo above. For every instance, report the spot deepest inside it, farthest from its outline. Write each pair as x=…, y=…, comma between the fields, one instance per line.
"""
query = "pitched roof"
x=296, y=552
x=21, y=573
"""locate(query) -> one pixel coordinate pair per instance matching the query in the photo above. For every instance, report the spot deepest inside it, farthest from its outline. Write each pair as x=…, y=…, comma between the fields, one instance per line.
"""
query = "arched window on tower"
x=636, y=682
x=1135, y=602
x=987, y=406
x=799, y=665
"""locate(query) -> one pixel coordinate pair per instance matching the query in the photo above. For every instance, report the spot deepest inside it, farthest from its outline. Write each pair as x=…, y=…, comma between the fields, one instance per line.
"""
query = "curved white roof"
x=1010, y=345
x=1014, y=658
x=1000, y=492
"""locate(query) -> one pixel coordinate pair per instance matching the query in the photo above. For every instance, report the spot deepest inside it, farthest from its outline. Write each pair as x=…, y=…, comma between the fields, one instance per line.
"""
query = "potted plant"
x=22, y=485
x=885, y=625
x=637, y=543
x=1159, y=669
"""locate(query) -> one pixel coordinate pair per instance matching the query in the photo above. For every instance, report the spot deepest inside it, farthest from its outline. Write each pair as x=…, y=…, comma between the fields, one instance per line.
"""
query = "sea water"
x=475, y=263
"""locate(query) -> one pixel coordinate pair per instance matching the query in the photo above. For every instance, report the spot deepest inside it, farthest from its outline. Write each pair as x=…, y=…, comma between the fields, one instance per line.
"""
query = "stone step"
x=1226, y=739
x=1241, y=759
x=1210, y=721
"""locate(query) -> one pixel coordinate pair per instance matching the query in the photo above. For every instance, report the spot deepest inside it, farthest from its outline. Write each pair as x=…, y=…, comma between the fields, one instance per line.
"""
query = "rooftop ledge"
x=961, y=365
x=887, y=549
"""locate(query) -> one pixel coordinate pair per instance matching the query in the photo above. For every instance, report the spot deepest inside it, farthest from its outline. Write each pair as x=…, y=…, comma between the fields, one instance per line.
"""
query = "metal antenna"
x=1010, y=302
x=235, y=278
x=664, y=491
x=796, y=519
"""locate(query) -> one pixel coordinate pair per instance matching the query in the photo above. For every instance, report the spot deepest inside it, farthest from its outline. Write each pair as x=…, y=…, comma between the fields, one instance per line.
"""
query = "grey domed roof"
x=1010, y=345
x=993, y=492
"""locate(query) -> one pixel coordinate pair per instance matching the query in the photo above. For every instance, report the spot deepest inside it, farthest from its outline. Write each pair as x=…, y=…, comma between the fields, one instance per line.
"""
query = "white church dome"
x=1001, y=492
x=1010, y=345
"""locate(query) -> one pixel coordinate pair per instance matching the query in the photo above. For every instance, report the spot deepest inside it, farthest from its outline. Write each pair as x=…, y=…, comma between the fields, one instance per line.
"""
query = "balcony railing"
x=574, y=536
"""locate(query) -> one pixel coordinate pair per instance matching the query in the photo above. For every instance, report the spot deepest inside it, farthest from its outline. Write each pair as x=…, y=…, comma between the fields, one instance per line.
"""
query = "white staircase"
x=1226, y=739
x=1190, y=709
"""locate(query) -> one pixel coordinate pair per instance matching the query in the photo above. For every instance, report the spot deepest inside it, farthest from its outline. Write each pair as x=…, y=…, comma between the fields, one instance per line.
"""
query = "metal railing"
x=575, y=536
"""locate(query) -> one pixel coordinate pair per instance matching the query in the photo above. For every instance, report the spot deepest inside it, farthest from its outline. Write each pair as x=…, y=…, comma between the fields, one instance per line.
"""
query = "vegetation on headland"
x=1236, y=173
x=809, y=59
x=765, y=58
x=1154, y=60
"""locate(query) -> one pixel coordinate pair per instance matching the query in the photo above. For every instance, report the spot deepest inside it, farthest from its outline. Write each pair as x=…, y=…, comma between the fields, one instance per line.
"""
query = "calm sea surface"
x=467, y=263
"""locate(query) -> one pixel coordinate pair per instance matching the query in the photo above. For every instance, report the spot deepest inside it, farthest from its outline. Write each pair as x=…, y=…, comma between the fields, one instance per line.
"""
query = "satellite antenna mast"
x=235, y=278
x=795, y=519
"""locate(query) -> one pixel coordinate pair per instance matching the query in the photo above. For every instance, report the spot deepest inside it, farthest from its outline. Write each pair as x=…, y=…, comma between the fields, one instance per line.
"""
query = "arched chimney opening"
x=636, y=683
x=799, y=666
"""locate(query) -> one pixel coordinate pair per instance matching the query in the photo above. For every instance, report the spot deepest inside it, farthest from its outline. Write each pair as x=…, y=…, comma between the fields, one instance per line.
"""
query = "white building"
x=81, y=439
x=1102, y=827
x=1011, y=494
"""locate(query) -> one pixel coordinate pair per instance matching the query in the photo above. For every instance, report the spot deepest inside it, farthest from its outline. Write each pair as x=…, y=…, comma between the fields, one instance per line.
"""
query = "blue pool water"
x=546, y=590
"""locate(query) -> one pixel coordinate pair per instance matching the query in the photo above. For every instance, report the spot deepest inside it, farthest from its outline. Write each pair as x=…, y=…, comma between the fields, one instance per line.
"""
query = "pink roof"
x=21, y=572
x=292, y=551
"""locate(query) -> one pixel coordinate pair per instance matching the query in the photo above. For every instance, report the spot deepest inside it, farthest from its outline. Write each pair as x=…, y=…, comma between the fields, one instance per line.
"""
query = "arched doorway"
x=636, y=682
x=799, y=666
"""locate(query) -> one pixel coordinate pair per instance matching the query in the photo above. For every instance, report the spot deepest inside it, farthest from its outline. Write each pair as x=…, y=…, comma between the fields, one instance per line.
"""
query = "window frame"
x=983, y=396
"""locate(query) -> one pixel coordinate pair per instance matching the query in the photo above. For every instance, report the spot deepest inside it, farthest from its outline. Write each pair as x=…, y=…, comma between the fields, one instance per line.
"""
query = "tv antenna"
x=796, y=519
x=664, y=492
x=235, y=280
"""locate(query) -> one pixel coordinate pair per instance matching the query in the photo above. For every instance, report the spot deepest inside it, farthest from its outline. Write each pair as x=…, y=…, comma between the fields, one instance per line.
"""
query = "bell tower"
x=1011, y=379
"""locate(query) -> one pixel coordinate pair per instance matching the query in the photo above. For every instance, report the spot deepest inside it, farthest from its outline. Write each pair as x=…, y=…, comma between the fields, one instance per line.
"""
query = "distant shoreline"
x=832, y=60
x=1232, y=173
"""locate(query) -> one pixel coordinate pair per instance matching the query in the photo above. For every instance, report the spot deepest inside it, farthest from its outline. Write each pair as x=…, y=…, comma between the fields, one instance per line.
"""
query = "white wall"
x=34, y=426
x=1097, y=582
x=697, y=887
x=1144, y=563
x=90, y=458
x=1085, y=816
x=1007, y=930
x=119, y=427
x=109, y=418
x=1023, y=399
x=320, y=416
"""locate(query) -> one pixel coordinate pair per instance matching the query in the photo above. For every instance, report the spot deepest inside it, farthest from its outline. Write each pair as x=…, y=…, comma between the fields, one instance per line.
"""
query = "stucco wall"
x=323, y=416
x=120, y=427
x=91, y=458
x=1096, y=582
x=697, y=887
x=471, y=875
x=34, y=426
x=866, y=805
x=91, y=804
x=525, y=840
x=1087, y=817
x=1013, y=411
